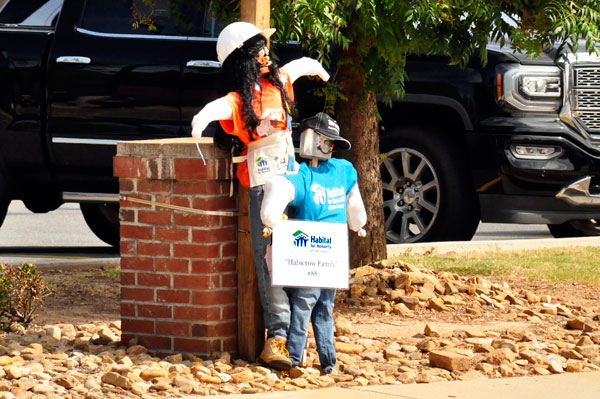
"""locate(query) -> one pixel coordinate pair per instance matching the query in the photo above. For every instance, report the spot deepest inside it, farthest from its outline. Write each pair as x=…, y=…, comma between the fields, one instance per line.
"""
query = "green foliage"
x=227, y=10
x=383, y=32
x=22, y=292
x=143, y=14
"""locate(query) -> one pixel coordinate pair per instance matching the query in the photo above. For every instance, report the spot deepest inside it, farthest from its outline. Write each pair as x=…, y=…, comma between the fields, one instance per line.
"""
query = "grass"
x=556, y=264
x=112, y=272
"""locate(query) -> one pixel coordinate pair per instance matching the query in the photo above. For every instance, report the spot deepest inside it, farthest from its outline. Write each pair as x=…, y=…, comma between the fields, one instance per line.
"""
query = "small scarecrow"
x=327, y=191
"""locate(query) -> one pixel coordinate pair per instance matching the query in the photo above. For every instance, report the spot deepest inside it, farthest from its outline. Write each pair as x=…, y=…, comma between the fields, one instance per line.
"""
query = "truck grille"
x=587, y=98
x=586, y=76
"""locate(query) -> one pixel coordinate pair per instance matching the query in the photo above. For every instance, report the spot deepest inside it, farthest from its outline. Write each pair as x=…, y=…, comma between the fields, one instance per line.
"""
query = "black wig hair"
x=241, y=72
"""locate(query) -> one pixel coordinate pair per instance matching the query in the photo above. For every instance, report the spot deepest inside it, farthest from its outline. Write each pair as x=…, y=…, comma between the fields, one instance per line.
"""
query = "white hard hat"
x=234, y=35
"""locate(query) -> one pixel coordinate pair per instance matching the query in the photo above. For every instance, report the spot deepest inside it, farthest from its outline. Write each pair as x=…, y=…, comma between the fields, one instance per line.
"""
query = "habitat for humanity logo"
x=300, y=238
x=332, y=197
x=262, y=164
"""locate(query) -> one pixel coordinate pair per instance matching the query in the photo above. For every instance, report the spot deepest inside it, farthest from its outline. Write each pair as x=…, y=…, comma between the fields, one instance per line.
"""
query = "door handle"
x=203, y=64
x=74, y=59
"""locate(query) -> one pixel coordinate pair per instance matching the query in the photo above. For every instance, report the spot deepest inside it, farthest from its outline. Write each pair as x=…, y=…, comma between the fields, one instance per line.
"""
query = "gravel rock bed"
x=550, y=335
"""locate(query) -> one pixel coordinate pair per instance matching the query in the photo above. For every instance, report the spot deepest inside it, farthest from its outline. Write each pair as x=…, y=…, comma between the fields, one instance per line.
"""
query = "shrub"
x=22, y=292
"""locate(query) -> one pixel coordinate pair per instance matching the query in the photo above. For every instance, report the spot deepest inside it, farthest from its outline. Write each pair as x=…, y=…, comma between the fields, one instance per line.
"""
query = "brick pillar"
x=178, y=269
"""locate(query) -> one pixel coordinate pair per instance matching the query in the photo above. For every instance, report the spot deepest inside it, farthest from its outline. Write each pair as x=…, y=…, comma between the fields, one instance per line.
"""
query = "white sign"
x=310, y=254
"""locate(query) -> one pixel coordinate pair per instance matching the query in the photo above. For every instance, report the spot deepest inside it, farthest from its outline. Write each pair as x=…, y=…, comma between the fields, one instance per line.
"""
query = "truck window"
x=198, y=20
x=159, y=17
x=30, y=12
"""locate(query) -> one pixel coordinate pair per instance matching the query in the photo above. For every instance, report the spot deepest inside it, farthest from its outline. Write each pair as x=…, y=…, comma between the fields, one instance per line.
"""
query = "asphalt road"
x=62, y=233
x=60, y=237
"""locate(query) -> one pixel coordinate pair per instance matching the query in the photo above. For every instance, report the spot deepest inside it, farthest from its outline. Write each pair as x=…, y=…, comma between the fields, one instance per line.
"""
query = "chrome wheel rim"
x=411, y=195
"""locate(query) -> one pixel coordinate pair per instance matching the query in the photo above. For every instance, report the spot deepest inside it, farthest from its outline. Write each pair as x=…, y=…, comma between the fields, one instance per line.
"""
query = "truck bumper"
x=549, y=188
x=499, y=208
x=578, y=193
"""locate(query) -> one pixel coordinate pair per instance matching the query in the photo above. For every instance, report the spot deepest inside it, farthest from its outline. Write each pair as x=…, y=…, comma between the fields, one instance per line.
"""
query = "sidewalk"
x=563, y=386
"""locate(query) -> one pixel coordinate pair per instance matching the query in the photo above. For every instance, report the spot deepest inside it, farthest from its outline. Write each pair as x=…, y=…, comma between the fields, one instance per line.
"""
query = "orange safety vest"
x=268, y=105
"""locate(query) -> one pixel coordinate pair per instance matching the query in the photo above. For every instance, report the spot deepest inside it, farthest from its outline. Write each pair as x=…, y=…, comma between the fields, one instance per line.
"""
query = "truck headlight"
x=532, y=88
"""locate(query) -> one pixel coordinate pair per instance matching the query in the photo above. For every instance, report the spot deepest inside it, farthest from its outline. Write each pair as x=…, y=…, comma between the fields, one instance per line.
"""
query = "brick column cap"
x=179, y=147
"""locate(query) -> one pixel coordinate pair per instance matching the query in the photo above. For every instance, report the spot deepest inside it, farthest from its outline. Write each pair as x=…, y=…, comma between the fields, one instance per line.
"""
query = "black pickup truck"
x=514, y=141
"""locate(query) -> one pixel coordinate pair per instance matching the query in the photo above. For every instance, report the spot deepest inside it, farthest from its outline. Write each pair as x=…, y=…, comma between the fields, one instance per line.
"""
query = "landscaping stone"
x=88, y=360
x=343, y=326
x=449, y=360
x=348, y=348
x=54, y=332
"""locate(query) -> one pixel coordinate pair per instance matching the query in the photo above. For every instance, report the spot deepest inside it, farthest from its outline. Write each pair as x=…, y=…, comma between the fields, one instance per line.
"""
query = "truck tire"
x=103, y=220
x=4, y=198
x=3, y=209
x=575, y=228
x=428, y=194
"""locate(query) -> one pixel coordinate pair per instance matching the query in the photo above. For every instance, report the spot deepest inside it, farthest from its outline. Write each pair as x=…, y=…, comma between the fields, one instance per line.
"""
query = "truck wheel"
x=103, y=220
x=575, y=228
x=427, y=190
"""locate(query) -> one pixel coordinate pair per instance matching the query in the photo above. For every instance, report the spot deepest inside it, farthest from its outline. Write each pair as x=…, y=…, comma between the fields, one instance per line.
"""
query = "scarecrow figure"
x=256, y=115
x=327, y=190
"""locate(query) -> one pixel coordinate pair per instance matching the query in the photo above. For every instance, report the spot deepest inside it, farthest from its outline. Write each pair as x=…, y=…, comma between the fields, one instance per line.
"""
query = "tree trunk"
x=357, y=117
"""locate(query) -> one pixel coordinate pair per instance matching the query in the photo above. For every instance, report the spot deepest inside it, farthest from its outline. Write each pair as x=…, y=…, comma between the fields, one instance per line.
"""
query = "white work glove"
x=279, y=192
x=305, y=67
x=355, y=210
x=217, y=110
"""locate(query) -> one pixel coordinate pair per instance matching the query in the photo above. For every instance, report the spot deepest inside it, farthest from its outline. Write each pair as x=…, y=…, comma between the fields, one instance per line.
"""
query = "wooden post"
x=256, y=12
x=251, y=329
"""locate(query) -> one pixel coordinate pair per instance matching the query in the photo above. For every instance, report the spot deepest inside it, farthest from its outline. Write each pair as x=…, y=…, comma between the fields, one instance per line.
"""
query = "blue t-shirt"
x=321, y=192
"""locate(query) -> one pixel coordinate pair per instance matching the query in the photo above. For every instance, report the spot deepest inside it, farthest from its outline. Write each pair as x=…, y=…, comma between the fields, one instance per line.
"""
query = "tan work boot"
x=275, y=354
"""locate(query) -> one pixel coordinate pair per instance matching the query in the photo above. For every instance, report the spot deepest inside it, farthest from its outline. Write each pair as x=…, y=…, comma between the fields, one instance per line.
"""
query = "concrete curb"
x=448, y=247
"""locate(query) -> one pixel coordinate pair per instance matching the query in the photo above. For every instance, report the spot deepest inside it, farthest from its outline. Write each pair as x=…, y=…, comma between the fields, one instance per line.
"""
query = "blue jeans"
x=274, y=300
x=315, y=304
